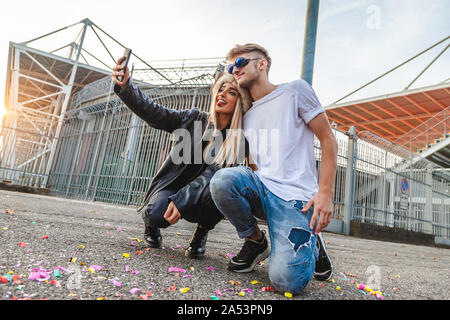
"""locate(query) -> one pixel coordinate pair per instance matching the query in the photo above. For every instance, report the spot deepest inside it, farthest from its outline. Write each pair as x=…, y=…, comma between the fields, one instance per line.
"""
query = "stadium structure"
x=66, y=131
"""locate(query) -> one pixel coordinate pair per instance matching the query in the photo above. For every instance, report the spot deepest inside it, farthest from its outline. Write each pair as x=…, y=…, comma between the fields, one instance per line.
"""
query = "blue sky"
x=357, y=39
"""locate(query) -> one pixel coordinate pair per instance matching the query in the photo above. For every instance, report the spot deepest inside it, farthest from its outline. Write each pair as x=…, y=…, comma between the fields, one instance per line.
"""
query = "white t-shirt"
x=280, y=141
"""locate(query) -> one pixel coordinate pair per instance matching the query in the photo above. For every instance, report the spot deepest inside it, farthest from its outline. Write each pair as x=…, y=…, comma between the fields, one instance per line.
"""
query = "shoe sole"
x=152, y=245
x=326, y=275
x=194, y=256
x=262, y=256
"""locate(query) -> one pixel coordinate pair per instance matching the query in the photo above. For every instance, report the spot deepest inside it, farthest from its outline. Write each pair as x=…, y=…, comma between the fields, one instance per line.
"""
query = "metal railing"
x=428, y=133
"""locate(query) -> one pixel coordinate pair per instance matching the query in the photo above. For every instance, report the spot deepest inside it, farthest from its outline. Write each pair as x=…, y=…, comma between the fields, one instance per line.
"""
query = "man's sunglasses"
x=240, y=62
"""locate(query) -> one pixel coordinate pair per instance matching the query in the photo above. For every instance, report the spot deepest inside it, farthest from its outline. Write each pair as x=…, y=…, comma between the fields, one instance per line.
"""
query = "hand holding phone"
x=121, y=73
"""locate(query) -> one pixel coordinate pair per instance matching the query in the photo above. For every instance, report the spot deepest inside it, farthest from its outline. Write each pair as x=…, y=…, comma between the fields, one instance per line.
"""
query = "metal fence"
x=106, y=153
x=395, y=188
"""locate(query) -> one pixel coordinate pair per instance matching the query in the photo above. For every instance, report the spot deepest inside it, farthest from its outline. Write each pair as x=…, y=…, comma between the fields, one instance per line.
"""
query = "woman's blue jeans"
x=240, y=195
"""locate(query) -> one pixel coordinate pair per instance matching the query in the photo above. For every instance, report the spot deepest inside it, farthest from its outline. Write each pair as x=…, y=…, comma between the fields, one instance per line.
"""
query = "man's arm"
x=323, y=200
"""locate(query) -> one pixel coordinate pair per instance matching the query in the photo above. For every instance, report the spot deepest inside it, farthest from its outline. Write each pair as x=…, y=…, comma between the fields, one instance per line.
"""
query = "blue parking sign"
x=404, y=186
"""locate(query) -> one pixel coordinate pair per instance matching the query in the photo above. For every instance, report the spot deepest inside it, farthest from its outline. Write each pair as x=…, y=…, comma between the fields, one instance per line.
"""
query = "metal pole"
x=349, y=180
x=309, y=42
x=67, y=90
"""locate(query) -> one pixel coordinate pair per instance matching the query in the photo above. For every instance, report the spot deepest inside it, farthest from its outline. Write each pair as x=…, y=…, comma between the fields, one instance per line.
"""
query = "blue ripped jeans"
x=240, y=196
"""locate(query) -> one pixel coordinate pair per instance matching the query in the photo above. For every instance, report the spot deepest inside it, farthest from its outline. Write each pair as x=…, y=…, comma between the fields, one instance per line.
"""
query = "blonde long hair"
x=229, y=151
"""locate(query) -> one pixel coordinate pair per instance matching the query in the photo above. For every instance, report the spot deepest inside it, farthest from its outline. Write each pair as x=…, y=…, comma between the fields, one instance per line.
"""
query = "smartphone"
x=124, y=63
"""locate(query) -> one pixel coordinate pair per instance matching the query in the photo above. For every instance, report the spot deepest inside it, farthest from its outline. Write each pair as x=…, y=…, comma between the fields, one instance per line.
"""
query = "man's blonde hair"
x=250, y=47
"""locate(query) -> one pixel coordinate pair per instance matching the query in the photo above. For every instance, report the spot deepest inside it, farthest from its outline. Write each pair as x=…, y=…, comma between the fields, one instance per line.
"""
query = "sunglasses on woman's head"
x=240, y=62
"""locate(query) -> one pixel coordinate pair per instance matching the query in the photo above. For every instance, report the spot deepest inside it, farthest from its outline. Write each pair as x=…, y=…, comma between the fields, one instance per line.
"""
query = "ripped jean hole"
x=299, y=238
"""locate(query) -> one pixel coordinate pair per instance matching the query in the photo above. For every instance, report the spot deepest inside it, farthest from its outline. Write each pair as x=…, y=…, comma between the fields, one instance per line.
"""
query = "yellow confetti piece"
x=184, y=290
x=256, y=282
x=126, y=255
x=242, y=293
x=5, y=228
x=91, y=270
x=81, y=246
x=73, y=260
x=331, y=280
x=101, y=298
x=288, y=295
x=338, y=288
x=192, y=268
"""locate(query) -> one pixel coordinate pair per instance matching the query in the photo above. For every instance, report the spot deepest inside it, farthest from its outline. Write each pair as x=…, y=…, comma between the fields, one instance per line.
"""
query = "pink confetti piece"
x=172, y=269
x=117, y=283
x=135, y=272
x=210, y=268
x=96, y=268
x=127, y=269
x=62, y=268
x=187, y=276
x=135, y=290
x=218, y=293
x=119, y=229
x=229, y=255
x=39, y=274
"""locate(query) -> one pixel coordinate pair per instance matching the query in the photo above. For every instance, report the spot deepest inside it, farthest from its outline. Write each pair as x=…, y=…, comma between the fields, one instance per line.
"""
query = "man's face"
x=248, y=74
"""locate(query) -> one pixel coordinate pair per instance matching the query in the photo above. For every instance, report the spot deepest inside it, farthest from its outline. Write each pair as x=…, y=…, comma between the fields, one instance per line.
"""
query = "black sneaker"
x=197, y=243
x=152, y=237
x=324, y=266
x=251, y=253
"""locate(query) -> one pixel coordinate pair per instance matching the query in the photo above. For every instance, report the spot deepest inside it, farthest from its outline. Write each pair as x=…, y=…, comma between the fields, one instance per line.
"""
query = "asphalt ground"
x=97, y=252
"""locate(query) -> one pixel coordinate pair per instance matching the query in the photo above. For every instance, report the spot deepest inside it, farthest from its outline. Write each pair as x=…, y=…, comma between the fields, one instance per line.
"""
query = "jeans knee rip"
x=299, y=238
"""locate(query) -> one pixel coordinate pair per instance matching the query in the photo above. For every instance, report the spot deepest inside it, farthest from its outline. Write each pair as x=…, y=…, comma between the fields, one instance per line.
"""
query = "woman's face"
x=226, y=99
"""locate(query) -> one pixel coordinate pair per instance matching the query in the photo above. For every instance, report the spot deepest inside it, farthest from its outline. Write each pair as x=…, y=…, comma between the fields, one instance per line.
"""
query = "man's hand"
x=323, y=208
x=118, y=71
x=172, y=214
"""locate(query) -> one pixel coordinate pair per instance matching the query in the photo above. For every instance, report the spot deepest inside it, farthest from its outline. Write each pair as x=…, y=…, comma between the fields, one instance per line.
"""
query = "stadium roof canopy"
x=393, y=115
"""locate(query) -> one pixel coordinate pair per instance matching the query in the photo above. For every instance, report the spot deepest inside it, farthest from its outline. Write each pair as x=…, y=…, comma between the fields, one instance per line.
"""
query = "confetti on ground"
x=172, y=269
x=116, y=283
x=184, y=290
x=173, y=288
x=288, y=295
x=135, y=290
x=126, y=255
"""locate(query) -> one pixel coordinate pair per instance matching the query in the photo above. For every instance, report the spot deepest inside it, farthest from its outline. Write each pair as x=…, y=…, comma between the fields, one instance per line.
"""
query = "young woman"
x=180, y=189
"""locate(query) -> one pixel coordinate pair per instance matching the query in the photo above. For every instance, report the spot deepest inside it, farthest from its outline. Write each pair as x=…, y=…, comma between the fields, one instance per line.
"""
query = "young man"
x=282, y=188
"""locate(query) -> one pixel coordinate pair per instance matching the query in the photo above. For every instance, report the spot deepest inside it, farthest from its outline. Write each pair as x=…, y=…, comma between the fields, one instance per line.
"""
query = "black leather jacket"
x=160, y=117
